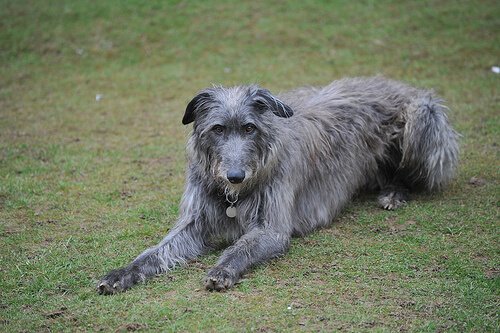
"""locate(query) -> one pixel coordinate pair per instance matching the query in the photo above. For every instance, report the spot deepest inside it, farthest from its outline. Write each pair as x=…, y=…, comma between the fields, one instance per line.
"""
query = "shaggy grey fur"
x=291, y=163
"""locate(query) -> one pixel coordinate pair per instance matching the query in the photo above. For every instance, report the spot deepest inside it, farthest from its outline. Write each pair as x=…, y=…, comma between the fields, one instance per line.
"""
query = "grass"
x=86, y=185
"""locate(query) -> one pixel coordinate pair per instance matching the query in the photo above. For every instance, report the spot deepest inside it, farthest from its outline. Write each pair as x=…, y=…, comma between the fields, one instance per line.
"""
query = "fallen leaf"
x=476, y=181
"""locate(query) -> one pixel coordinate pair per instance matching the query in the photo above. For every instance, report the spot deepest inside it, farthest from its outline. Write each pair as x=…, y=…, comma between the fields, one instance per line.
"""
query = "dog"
x=264, y=168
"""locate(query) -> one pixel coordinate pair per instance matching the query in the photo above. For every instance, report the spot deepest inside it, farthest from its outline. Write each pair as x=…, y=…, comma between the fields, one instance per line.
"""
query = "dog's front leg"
x=256, y=246
x=186, y=241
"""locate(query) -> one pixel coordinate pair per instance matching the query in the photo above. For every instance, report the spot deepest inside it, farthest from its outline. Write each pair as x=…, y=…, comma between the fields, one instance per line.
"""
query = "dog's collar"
x=231, y=211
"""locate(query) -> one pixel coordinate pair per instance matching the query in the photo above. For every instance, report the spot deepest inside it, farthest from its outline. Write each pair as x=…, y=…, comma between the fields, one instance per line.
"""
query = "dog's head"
x=234, y=131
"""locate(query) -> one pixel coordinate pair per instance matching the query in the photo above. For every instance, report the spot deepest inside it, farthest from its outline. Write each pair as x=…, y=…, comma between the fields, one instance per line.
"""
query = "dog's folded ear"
x=263, y=100
x=196, y=105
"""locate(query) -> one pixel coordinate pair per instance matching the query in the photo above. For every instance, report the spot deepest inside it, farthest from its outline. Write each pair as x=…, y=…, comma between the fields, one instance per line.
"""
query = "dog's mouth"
x=233, y=179
x=232, y=190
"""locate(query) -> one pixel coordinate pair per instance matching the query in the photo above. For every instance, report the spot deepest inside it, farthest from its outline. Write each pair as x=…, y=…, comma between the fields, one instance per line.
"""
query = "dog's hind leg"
x=393, y=196
x=393, y=191
x=426, y=156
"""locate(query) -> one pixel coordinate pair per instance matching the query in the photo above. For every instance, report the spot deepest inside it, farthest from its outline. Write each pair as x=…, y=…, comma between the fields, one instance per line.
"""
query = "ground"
x=92, y=164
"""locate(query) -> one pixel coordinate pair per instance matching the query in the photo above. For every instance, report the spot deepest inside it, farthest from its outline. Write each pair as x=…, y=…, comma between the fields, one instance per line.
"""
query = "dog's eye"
x=218, y=129
x=250, y=128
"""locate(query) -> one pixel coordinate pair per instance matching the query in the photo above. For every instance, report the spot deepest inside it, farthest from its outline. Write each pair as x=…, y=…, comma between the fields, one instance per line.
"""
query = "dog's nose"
x=235, y=176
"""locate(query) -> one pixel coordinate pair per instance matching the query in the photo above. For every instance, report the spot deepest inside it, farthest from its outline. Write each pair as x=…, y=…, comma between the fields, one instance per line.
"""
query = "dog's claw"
x=118, y=280
x=392, y=200
x=220, y=279
x=105, y=289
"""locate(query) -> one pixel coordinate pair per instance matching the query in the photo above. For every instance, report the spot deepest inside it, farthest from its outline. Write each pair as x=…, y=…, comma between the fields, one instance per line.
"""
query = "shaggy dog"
x=263, y=168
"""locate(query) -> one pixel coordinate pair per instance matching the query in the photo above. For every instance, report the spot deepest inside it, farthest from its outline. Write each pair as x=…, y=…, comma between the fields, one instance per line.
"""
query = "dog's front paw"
x=119, y=280
x=220, y=278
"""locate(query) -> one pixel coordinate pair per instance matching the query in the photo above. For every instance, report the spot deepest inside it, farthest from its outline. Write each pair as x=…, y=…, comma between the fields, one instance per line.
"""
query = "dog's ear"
x=264, y=100
x=195, y=106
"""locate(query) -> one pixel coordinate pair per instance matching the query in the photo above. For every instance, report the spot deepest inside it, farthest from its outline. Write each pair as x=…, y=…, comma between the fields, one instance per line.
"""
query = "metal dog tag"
x=231, y=211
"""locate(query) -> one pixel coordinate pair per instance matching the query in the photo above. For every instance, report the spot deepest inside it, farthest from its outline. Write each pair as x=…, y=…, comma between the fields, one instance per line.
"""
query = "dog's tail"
x=429, y=144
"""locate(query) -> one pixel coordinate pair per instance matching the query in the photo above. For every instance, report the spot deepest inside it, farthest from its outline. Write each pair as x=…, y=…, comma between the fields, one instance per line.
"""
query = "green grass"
x=85, y=185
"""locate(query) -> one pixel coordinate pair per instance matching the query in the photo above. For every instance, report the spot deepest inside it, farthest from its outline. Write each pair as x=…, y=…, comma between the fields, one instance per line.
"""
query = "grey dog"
x=264, y=168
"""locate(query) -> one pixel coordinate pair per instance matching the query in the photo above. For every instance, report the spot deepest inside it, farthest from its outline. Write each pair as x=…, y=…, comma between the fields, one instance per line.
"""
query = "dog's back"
x=399, y=124
x=366, y=132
